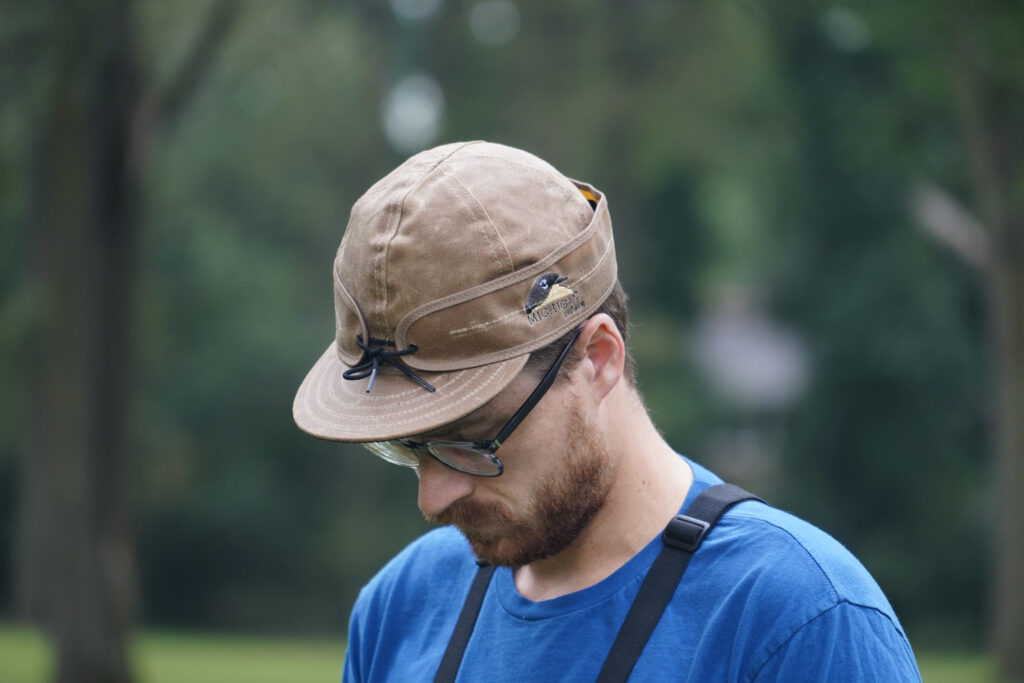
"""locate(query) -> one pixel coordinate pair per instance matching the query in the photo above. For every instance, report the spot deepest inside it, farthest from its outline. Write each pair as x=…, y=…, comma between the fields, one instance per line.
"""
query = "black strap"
x=682, y=537
x=464, y=626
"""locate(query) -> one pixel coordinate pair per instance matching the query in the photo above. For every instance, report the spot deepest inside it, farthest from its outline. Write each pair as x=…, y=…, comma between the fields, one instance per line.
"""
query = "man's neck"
x=649, y=484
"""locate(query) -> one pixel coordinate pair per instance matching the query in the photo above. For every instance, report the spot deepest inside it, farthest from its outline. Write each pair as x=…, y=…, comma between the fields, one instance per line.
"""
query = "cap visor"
x=328, y=406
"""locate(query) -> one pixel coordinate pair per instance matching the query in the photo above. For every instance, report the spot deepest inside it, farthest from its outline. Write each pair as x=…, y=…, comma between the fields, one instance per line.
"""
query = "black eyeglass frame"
x=488, y=449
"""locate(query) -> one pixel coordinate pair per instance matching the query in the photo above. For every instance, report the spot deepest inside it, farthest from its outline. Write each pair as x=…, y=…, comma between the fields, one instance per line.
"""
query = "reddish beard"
x=555, y=516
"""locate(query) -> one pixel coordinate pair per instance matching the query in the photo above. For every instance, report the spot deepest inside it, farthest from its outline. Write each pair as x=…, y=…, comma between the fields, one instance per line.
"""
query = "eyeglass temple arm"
x=537, y=395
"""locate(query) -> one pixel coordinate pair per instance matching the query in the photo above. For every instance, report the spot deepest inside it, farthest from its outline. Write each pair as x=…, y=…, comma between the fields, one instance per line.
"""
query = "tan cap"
x=453, y=268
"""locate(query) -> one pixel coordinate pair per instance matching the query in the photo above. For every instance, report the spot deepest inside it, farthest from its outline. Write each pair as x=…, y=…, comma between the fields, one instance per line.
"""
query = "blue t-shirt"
x=767, y=597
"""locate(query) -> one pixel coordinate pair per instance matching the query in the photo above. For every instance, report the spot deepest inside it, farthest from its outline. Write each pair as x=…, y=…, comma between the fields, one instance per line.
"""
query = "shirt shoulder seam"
x=839, y=603
x=836, y=595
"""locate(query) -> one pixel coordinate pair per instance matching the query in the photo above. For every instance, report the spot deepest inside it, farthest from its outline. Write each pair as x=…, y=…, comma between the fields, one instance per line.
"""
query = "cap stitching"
x=393, y=400
x=380, y=266
x=552, y=179
x=578, y=281
x=399, y=209
x=321, y=418
x=533, y=344
x=411, y=417
x=479, y=206
x=351, y=302
x=538, y=267
x=484, y=325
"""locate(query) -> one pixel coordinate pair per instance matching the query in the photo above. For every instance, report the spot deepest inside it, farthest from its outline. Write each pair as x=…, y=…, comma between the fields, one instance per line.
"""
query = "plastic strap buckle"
x=685, y=533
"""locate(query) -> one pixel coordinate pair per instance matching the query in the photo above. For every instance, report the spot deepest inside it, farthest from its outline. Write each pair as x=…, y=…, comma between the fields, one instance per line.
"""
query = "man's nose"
x=440, y=486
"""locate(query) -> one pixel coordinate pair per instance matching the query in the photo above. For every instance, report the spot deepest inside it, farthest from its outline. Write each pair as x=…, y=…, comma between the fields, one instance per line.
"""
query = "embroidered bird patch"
x=546, y=289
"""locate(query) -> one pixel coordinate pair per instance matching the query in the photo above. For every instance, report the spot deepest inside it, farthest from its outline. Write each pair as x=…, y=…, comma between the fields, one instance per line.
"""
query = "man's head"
x=460, y=275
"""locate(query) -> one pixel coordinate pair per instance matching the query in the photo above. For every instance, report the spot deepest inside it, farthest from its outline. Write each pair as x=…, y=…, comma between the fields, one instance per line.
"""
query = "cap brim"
x=328, y=406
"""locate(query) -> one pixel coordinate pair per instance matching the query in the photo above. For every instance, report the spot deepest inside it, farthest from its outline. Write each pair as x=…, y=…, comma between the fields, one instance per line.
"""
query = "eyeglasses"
x=477, y=458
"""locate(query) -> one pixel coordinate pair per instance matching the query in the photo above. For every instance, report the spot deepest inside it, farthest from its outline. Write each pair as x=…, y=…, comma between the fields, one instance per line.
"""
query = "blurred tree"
x=988, y=74
x=94, y=114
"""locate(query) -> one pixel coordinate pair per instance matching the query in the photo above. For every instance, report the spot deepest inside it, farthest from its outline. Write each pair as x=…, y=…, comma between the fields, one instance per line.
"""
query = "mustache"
x=469, y=513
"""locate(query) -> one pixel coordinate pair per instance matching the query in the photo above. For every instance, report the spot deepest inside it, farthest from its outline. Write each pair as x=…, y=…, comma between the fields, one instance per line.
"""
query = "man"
x=481, y=339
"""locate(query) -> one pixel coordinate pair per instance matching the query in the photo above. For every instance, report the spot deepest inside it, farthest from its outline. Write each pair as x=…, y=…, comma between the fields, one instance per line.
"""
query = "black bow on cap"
x=373, y=357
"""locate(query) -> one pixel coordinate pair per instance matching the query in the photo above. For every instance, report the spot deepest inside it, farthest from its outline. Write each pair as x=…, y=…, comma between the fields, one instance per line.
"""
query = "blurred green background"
x=817, y=211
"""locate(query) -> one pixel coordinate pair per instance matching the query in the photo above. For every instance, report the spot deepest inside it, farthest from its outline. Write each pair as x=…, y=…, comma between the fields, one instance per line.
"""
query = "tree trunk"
x=75, y=572
x=96, y=123
x=991, y=106
x=1008, y=604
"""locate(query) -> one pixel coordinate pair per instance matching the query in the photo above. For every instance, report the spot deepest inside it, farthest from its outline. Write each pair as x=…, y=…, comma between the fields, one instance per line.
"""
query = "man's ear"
x=604, y=353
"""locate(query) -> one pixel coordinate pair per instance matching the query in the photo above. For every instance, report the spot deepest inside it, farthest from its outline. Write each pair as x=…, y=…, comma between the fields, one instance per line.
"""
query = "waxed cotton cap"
x=455, y=266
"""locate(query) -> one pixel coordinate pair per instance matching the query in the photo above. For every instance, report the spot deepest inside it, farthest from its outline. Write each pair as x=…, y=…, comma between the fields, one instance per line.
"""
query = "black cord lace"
x=373, y=357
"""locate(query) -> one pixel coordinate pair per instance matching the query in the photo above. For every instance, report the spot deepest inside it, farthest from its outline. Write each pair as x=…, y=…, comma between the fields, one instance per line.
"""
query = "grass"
x=25, y=657
x=956, y=667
